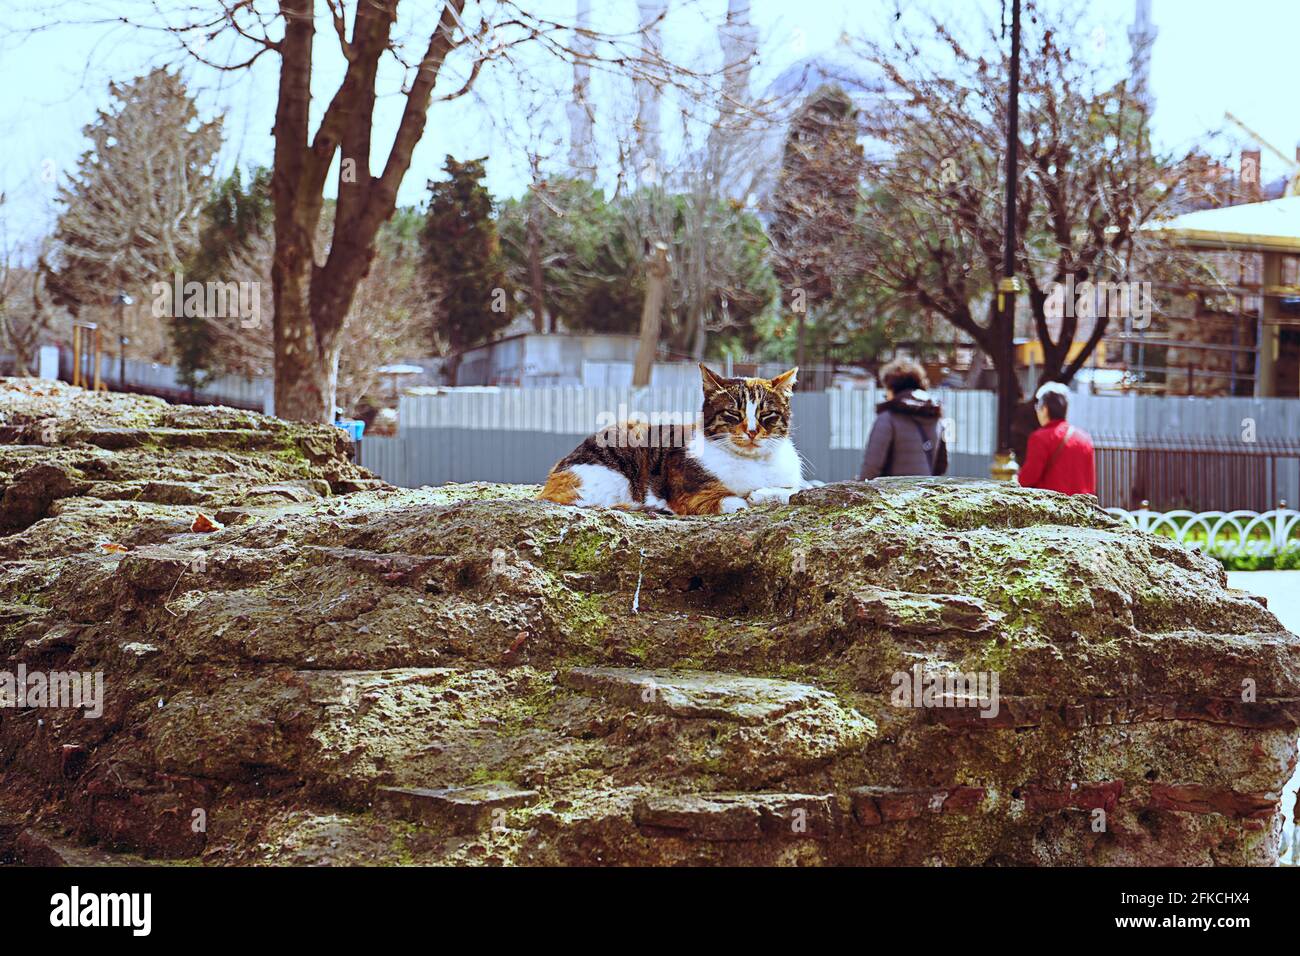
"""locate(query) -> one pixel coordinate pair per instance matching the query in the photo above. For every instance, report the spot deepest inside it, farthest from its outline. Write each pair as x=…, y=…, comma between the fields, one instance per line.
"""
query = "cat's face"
x=745, y=414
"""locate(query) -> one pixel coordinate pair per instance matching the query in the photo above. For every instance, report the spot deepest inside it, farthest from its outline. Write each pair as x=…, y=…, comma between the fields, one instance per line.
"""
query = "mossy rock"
x=712, y=690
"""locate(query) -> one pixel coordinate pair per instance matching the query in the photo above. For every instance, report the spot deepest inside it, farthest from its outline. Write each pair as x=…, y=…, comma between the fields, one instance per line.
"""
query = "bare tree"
x=387, y=321
x=701, y=205
x=26, y=315
x=932, y=218
x=312, y=299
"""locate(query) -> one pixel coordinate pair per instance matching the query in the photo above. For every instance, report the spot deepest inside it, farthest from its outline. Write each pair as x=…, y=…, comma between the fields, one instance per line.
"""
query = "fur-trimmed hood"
x=918, y=403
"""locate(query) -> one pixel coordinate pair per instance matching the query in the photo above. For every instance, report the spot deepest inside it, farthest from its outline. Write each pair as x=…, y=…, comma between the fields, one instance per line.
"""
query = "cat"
x=737, y=454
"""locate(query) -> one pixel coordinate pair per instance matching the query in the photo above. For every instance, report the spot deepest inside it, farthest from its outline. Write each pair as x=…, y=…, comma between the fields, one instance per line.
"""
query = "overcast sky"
x=1209, y=57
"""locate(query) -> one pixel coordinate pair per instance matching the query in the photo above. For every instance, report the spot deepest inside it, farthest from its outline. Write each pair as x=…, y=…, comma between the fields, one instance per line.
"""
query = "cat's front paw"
x=805, y=485
x=771, y=496
x=731, y=504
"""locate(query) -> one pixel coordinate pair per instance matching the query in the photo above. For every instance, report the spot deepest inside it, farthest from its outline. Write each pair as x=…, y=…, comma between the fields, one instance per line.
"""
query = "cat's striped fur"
x=738, y=454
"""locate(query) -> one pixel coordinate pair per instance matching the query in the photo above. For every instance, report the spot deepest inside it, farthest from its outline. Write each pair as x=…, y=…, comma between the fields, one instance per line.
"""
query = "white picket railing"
x=1221, y=532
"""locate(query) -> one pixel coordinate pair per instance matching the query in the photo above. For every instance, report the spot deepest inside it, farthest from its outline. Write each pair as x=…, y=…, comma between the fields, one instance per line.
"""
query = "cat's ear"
x=785, y=381
x=712, y=383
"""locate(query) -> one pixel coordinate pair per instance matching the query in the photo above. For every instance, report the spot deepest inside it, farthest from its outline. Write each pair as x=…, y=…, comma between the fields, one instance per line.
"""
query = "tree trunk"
x=798, y=338
x=23, y=357
x=535, y=271
x=1023, y=417
x=657, y=268
x=311, y=300
x=305, y=375
x=700, y=339
x=302, y=391
x=976, y=370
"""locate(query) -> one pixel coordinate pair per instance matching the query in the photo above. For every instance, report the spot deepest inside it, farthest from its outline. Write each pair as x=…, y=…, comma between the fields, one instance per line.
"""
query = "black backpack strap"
x=927, y=445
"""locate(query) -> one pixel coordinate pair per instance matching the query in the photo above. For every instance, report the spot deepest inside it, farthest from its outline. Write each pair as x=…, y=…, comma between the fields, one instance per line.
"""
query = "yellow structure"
x=1030, y=352
x=1271, y=229
x=85, y=356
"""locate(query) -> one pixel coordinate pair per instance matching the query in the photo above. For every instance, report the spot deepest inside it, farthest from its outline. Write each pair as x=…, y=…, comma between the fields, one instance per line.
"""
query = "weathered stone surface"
x=1195, y=798
x=738, y=816
x=466, y=809
x=30, y=492
x=663, y=690
x=76, y=454
x=1086, y=796
x=32, y=847
x=924, y=613
x=875, y=805
x=154, y=568
x=688, y=694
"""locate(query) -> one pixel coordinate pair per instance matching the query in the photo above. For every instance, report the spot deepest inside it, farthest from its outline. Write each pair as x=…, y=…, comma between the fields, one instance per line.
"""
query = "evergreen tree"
x=586, y=281
x=463, y=260
x=231, y=218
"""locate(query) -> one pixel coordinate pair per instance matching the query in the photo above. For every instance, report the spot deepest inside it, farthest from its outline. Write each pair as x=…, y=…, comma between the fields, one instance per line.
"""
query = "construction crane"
x=1293, y=177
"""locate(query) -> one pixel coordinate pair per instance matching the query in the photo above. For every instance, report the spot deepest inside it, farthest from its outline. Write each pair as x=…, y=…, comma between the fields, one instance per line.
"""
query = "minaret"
x=739, y=41
x=582, y=152
x=1142, y=37
x=648, y=156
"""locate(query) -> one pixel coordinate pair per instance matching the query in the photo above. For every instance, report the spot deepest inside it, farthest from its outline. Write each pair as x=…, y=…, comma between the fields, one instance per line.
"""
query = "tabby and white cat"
x=738, y=454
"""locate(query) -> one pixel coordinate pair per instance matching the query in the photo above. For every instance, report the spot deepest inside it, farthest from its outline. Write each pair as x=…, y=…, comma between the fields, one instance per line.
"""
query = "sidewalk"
x=1282, y=589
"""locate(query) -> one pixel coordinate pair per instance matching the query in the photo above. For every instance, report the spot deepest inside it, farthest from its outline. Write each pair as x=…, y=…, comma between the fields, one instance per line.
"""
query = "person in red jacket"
x=1060, y=456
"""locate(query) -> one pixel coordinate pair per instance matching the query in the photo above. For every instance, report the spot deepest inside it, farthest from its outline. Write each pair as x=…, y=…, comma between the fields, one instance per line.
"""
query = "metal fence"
x=1202, y=454
x=1171, y=453
x=1228, y=533
x=1180, y=472
x=153, y=378
x=1197, y=453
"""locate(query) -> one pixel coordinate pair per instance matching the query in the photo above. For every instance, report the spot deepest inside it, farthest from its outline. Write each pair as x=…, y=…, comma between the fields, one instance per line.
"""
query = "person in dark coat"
x=907, y=437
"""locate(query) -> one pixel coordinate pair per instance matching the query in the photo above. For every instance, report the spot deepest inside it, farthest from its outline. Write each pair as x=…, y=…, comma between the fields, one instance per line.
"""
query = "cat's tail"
x=562, y=487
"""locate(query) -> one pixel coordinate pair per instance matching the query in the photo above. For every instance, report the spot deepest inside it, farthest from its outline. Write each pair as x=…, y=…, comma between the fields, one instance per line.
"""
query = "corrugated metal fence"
x=516, y=435
x=1197, y=453
x=1171, y=452
x=152, y=378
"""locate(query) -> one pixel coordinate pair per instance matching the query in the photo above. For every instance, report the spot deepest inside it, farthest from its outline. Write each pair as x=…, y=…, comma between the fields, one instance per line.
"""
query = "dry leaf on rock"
x=204, y=523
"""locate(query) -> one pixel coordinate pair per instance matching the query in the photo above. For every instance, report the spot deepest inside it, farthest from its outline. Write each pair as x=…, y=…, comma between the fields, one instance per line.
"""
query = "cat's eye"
x=730, y=417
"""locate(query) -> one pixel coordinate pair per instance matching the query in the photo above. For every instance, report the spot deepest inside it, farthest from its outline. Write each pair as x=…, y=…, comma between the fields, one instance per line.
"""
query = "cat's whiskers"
x=805, y=467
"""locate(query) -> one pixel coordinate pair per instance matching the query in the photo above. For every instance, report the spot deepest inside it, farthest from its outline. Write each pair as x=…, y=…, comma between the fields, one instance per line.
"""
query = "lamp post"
x=121, y=300
x=1004, y=461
